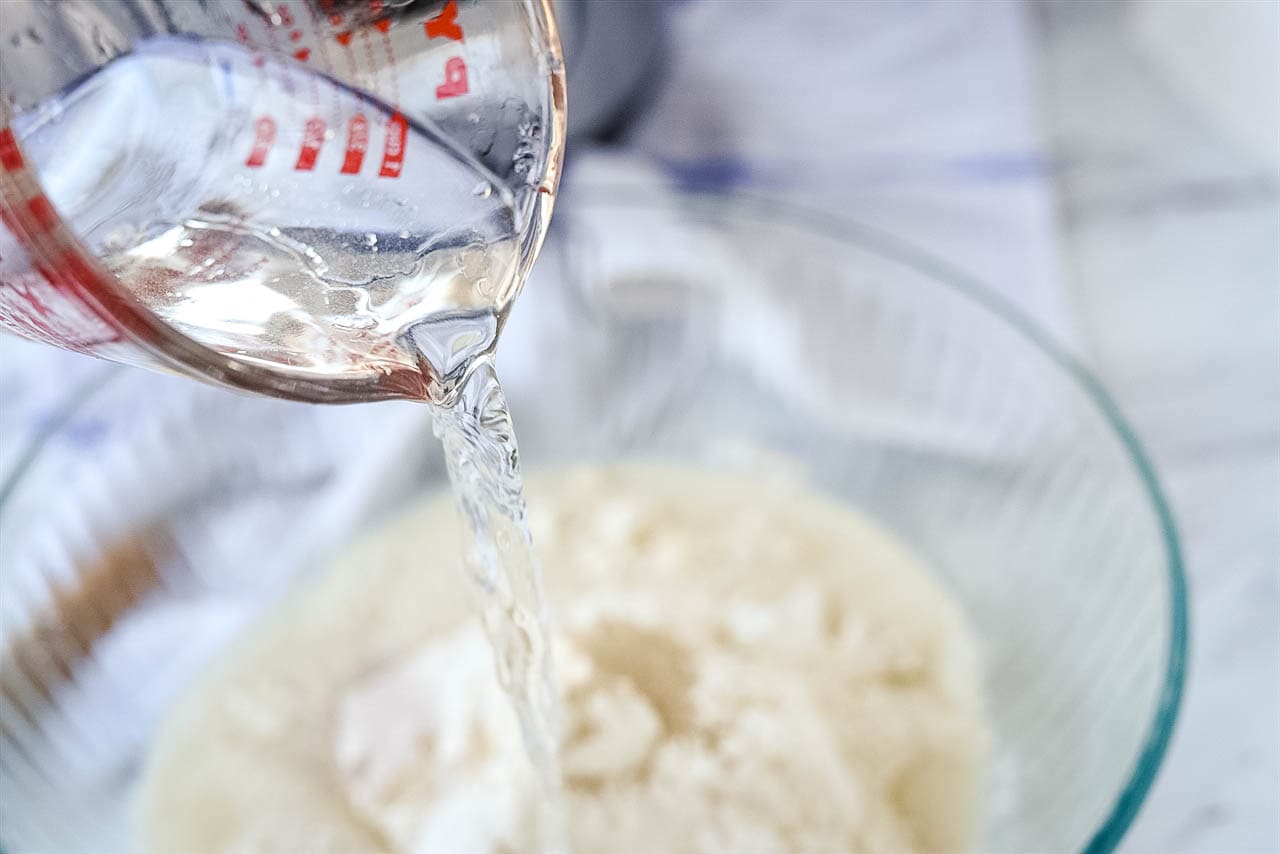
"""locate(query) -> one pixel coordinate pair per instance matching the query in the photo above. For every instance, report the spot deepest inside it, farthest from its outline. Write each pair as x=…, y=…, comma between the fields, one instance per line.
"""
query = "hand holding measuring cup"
x=274, y=195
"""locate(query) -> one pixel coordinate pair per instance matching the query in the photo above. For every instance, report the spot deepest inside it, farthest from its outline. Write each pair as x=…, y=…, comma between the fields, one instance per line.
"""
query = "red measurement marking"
x=42, y=212
x=393, y=148
x=264, y=136
x=357, y=144
x=295, y=36
x=312, y=139
x=10, y=156
x=455, y=79
x=85, y=325
x=58, y=311
x=285, y=17
x=344, y=39
x=79, y=270
x=446, y=23
x=9, y=222
x=242, y=33
x=35, y=308
x=53, y=276
x=303, y=54
x=29, y=295
x=384, y=25
x=375, y=6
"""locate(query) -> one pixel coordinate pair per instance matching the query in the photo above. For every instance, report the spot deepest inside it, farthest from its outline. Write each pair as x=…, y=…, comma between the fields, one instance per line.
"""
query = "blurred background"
x=1112, y=167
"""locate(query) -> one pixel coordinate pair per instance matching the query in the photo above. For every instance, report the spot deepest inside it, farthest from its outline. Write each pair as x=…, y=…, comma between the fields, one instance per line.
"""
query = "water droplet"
x=404, y=235
x=483, y=190
x=371, y=240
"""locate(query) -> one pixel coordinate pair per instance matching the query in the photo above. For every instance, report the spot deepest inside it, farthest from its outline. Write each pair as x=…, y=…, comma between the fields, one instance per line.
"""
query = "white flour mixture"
x=745, y=670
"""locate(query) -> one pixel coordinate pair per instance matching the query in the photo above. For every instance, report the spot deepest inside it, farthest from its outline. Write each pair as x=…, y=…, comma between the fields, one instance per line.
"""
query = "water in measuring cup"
x=273, y=214
x=276, y=215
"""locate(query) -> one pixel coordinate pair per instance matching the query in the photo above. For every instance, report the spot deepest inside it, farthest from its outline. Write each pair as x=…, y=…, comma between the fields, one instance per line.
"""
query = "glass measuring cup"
x=275, y=195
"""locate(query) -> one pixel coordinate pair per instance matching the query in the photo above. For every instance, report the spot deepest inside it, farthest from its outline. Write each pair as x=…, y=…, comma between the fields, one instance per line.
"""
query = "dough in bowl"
x=745, y=670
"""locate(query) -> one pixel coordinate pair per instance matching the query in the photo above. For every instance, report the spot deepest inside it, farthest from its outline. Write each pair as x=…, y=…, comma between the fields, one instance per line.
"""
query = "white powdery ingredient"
x=744, y=670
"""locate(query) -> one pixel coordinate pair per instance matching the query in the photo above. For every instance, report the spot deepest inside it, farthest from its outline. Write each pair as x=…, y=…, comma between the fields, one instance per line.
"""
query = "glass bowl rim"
x=751, y=206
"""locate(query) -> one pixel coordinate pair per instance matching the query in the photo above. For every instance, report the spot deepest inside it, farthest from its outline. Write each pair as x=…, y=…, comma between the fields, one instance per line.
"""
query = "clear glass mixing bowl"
x=158, y=516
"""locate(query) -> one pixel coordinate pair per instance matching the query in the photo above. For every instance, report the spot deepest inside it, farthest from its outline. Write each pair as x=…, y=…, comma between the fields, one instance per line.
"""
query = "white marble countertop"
x=1170, y=236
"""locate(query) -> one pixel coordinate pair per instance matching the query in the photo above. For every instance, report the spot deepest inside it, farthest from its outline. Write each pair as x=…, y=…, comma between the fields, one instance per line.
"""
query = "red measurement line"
x=264, y=136
x=70, y=275
x=357, y=144
x=41, y=210
x=393, y=146
x=11, y=223
x=10, y=154
x=35, y=306
x=312, y=140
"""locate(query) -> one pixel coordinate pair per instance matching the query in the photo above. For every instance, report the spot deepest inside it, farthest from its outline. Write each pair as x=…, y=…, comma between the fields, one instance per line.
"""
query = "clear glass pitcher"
x=275, y=195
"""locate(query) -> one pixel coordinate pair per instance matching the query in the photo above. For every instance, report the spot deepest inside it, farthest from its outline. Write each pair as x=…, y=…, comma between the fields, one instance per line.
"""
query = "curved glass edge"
x=1113, y=828
x=77, y=398
x=1107, y=837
